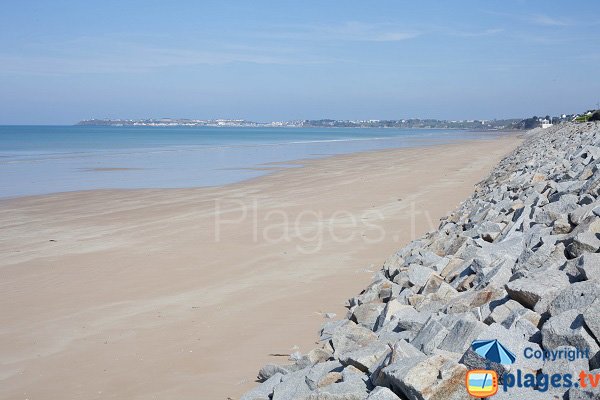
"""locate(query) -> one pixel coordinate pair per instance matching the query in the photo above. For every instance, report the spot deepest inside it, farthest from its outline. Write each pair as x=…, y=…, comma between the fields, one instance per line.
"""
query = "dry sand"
x=126, y=294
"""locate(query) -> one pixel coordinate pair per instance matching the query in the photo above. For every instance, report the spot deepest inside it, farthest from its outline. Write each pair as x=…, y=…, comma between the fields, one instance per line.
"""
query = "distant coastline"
x=503, y=124
x=50, y=159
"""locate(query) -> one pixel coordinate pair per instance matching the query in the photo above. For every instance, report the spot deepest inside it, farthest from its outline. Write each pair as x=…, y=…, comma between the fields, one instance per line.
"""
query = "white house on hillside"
x=546, y=123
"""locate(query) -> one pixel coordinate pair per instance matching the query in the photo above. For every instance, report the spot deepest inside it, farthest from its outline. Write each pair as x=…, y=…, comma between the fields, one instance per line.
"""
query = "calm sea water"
x=47, y=159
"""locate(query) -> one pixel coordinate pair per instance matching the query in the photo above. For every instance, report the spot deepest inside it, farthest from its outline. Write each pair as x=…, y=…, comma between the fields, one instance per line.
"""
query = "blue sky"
x=62, y=61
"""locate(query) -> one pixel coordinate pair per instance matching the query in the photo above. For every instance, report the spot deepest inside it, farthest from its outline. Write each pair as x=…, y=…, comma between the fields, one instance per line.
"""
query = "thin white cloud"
x=546, y=20
x=393, y=36
x=538, y=19
x=349, y=31
x=357, y=31
x=97, y=56
x=485, y=32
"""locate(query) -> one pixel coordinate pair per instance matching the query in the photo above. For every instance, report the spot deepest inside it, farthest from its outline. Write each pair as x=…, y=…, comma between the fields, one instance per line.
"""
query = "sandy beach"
x=186, y=293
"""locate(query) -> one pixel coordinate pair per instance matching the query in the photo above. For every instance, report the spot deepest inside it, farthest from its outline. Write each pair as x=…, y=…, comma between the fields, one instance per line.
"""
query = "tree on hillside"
x=529, y=123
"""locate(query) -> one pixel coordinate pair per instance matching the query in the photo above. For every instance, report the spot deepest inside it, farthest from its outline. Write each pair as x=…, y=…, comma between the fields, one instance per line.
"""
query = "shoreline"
x=272, y=167
x=86, y=270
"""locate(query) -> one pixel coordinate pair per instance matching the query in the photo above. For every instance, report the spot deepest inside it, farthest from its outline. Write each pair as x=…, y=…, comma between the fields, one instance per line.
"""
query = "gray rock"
x=388, y=291
x=398, y=368
x=292, y=386
x=582, y=243
x=578, y=296
x=351, y=373
x=373, y=292
x=474, y=299
x=430, y=336
x=393, y=265
x=264, y=390
x=592, y=184
x=507, y=249
x=567, y=329
x=555, y=210
x=591, y=317
x=341, y=391
x=407, y=318
x=503, y=311
x=581, y=213
x=392, y=307
x=329, y=378
x=547, y=257
x=318, y=355
x=429, y=259
x=351, y=337
x=440, y=265
x=489, y=231
x=525, y=393
x=561, y=226
x=537, y=290
x=328, y=328
x=368, y=314
x=523, y=313
x=353, y=386
x=418, y=274
x=525, y=330
x=382, y=393
x=562, y=365
x=436, y=285
x=497, y=274
x=389, y=335
x=270, y=370
x=317, y=372
x=462, y=333
x=366, y=358
x=589, y=266
x=454, y=268
x=429, y=303
x=401, y=350
x=582, y=394
x=433, y=378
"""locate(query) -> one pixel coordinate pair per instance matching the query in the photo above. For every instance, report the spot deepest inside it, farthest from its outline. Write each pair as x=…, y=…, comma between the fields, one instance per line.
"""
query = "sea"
x=36, y=160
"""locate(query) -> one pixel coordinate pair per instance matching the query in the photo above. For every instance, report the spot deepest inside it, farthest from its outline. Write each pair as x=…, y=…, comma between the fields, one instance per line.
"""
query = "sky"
x=64, y=61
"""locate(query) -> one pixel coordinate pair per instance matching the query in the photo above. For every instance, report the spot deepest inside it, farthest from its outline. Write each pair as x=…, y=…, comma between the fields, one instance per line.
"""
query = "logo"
x=494, y=351
x=482, y=383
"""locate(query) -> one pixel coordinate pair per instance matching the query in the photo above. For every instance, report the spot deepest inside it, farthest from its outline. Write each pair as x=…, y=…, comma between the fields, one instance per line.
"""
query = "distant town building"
x=545, y=123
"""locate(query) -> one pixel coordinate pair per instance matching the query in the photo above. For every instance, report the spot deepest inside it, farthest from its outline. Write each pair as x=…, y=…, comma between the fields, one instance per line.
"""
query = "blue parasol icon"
x=493, y=351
